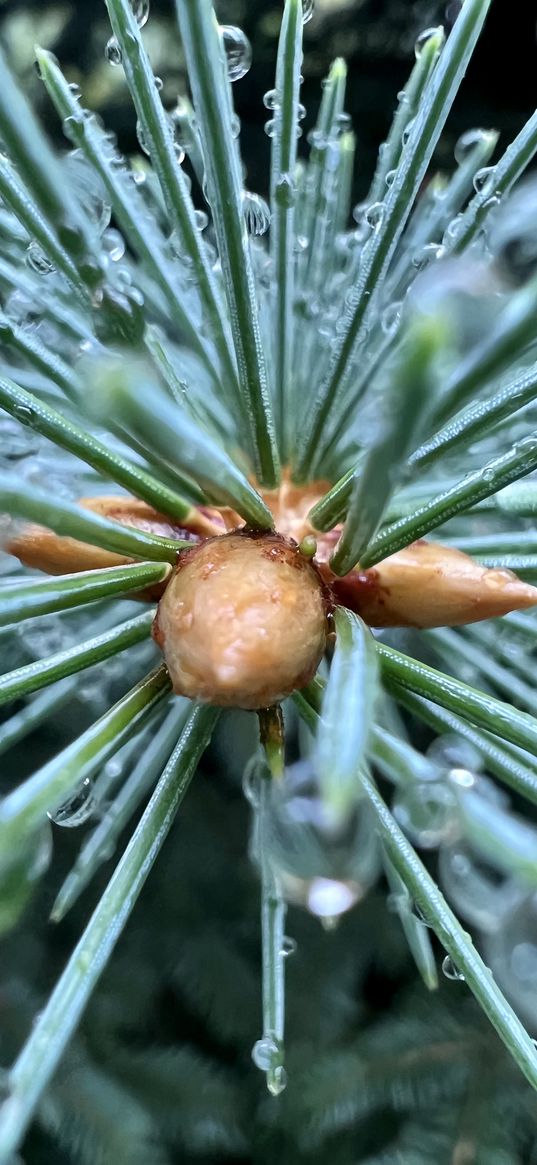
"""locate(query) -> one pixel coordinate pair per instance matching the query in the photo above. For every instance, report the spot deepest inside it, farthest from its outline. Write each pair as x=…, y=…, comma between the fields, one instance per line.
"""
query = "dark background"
x=375, y=36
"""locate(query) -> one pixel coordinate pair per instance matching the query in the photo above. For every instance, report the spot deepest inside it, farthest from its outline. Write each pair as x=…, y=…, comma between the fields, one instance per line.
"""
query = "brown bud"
x=426, y=585
x=243, y=621
x=41, y=549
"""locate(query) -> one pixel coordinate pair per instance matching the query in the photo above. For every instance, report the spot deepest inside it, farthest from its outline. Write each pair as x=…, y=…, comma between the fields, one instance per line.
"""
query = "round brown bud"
x=243, y=621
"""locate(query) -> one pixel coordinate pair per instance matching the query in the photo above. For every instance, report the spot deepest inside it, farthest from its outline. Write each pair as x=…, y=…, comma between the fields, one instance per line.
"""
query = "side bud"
x=243, y=621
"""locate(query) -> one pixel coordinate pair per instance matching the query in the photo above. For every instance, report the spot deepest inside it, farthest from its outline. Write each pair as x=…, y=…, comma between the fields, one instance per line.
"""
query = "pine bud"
x=42, y=549
x=243, y=621
x=426, y=585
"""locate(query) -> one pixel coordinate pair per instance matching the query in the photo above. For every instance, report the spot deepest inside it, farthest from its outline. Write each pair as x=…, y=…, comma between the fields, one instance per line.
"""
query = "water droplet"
x=421, y=917
x=265, y=1052
x=271, y=99
x=343, y=123
x=425, y=255
x=524, y=962
x=427, y=812
x=407, y=131
x=37, y=260
x=453, y=10
x=158, y=83
x=285, y=192
x=142, y=139
x=238, y=51
x=423, y=39
x=24, y=413
x=390, y=177
x=270, y=127
x=277, y=1080
x=328, y=898
x=114, y=245
x=451, y=751
x=256, y=213
x=140, y=9
x=235, y=125
x=308, y=8
x=301, y=112
x=463, y=777
x=450, y=970
x=375, y=214
x=251, y=782
x=391, y=318
x=483, y=180
x=467, y=143
x=78, y=809
x=288, y=947
x=201, y=219
x=113, y=52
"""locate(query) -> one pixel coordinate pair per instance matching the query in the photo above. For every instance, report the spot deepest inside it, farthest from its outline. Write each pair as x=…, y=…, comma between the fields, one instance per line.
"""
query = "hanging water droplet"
x=202, y=219
x=265, y=1052
x=421, y=917
x=158, y=83
x=453, y=10
x=407, y=131
x=423, y=39
x=450, y=970
x=24, y=414
x=427, y=812
x=140, y=9
x=142, y=140
x=374, y=214
x=289, y=946
x=425, y=255
x=328, y=898
x=113, y=52
x=391, y=318
x=251, y=782
x=235, y=125
x=483, y=180
x=114, y=245
x=256, y=213
x=452, y=230
x=37, y=260
x=451, y=751
x=78, y=809
x=238, y=51
x=270, y=127
x=271, y=99
x=524, y=962
x=277, y=1080
x=285, y=192
x=343, y=122
x=390, y=176
x=308, y=8
x=466, y=144
x=463, y=777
